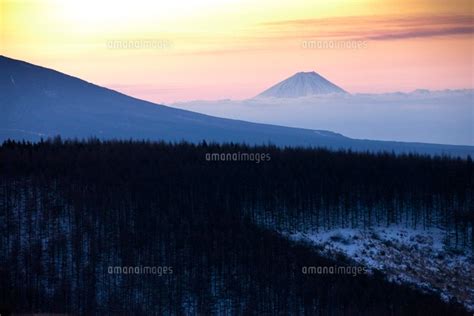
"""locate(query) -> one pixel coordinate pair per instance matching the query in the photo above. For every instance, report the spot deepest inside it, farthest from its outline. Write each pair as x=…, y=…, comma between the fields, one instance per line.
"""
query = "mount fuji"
x=301, y=84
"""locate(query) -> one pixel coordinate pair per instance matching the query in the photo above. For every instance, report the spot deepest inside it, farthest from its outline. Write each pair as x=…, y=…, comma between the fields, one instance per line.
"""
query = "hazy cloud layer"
x=434, y=117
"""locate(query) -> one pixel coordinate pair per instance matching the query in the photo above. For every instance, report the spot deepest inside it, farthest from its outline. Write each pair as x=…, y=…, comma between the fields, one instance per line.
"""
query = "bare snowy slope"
x=419, y=257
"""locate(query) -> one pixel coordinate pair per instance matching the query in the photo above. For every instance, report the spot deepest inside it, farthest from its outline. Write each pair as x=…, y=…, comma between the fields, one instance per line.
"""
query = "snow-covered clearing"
x=416, y=257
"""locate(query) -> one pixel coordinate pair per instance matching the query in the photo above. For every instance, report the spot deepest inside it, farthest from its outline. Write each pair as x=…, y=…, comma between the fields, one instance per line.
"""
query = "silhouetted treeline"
x=70, y=210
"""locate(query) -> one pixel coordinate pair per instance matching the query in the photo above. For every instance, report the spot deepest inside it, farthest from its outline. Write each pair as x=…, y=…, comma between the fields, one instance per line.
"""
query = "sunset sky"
x=167, y=51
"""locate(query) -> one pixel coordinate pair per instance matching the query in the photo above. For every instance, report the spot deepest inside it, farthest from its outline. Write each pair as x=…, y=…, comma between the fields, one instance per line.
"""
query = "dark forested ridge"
x=70, y=210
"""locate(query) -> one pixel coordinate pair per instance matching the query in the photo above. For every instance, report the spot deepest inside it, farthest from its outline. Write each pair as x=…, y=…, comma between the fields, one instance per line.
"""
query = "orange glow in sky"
x=167, y=51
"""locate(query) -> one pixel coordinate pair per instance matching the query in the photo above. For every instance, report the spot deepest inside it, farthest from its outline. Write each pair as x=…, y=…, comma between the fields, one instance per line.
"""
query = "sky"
x=180, y=50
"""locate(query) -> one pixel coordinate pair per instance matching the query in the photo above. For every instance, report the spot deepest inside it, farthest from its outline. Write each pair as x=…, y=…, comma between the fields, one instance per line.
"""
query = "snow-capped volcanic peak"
x=300, y=85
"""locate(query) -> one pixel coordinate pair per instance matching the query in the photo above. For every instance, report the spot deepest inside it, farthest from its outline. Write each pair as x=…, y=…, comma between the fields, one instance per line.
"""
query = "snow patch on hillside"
x=416, y=257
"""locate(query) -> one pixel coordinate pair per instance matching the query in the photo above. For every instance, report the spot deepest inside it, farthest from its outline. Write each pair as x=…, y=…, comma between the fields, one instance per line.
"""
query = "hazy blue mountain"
x=302, y=84
x=37, y=102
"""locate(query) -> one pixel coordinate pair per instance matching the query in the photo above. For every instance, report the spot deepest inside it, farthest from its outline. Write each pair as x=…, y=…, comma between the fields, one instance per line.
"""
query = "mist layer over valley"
x=443, y=117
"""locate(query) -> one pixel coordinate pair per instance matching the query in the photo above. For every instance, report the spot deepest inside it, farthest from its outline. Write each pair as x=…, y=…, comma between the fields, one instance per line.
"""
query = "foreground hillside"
x=74, y=214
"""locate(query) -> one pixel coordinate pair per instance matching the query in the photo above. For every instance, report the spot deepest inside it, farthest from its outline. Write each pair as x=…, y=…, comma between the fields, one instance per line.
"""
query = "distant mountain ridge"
x=37, y=102
x=302, y=84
